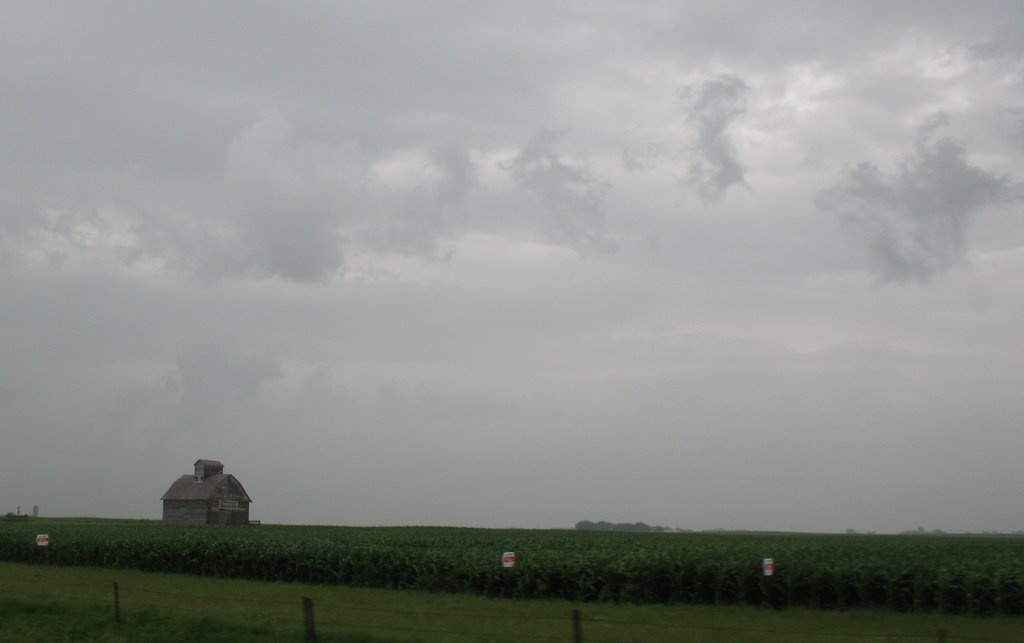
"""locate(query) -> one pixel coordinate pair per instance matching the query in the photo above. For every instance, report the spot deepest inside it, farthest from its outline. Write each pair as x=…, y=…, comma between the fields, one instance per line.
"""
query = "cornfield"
x=953, y=574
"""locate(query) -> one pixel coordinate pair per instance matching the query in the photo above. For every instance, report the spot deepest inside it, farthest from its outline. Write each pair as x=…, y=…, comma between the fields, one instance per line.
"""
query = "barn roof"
x=186, y=488
x=207, y=463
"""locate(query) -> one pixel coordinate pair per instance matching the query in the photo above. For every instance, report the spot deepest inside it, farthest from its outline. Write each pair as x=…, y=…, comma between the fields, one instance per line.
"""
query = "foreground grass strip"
x=78, y=605
x=23, y=620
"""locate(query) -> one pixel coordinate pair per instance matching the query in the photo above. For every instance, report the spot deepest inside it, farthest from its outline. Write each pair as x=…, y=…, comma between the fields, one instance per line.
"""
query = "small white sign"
x=508, y=559
x=42, y=540
x=768, y=566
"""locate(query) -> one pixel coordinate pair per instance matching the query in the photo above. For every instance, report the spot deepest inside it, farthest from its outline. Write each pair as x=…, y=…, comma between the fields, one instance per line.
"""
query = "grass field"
x=952, y=574
x=447, y=584
x=55, y=603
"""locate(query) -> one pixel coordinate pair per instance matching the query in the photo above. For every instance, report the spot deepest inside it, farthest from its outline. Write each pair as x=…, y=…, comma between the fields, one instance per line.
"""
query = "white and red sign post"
x=43, y=540
x=508, y=559
x=768, y=566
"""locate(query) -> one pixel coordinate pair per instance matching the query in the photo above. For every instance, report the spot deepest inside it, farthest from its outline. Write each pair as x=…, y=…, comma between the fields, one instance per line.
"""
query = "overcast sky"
x=753, y=265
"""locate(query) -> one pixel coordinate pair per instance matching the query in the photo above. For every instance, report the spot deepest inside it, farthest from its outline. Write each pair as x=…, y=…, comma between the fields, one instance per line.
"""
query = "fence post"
x=117, y=604
x=577, y=630
x=941, y=636
x=307, y=617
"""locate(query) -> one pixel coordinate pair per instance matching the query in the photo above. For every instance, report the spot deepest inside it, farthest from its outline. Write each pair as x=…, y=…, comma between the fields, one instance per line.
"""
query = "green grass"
x=42, y=620
x=951, y=574
x=53, y=603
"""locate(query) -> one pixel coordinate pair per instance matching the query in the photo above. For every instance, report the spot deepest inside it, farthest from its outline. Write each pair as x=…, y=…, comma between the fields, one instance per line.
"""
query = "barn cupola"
x=207, y=468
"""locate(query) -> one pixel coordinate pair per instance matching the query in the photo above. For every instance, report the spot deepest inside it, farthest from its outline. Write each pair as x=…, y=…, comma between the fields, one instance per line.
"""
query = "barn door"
x=224, y=517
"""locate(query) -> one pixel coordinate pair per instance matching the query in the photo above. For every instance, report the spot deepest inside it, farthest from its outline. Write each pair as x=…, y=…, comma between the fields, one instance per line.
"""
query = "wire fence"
x=307, y=617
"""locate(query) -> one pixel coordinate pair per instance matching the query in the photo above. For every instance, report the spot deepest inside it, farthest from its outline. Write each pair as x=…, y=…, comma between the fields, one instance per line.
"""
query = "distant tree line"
x=640, y=527
x=920, y=531
x=586, y=525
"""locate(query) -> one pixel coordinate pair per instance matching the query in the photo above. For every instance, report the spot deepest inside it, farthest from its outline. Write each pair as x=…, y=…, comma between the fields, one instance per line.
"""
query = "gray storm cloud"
x=411, y=220
x=211, y=376
x=289, y=201
x=642, y=157
x=285, y=208
x=913, y=222
x=711, y=107
x=296, y=207
x=1016, y=125
x=458, y=172
x=56, y=233
x=209, y=379
x=571, y=193
x=316, y=244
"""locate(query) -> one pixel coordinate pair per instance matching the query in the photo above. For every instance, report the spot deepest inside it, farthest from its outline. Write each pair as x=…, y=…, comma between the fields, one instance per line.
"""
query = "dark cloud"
x=1015, y=125
x=211, y=376
x=458, y=172
x=414, y=218
x=571, y=193
x=1008, y=40
x=641, y=157
x=209, y=380
x=289, y=200
x=914, y=220
x=711, y=107
x=17, y=222
x=293, y=208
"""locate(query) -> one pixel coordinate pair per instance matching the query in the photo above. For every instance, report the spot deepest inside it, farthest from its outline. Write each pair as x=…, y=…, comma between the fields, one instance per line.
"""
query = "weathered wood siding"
x=230, y=491
x=196, y=503
x=185, y=512
x=217, y=516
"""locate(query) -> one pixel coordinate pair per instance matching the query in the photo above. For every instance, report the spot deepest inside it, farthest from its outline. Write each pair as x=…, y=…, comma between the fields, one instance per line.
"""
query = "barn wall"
x=227, y=490
x=214, y=515
x=227, y=504
x=185, y=512
x=241, y=517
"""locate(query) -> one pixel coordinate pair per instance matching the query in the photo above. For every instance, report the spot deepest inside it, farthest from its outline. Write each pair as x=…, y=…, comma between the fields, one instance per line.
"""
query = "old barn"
x=207, y=497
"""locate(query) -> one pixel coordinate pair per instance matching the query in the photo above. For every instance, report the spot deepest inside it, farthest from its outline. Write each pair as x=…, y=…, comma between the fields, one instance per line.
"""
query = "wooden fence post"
x=577, y=630
x=307, y=617
x=117, y=604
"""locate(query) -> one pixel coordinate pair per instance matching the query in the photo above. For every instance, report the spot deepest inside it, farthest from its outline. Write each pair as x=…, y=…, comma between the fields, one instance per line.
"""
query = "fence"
x=575, y=625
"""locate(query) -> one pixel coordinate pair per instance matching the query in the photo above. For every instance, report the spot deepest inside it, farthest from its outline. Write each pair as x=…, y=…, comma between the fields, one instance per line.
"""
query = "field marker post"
x=577, y=630
x=117, y=604
x=942, y=636
x=307, y=617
